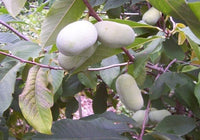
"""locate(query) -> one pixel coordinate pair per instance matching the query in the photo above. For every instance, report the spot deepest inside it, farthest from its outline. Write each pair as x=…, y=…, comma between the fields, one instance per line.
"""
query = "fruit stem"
x=91, y=10
x=131, y=57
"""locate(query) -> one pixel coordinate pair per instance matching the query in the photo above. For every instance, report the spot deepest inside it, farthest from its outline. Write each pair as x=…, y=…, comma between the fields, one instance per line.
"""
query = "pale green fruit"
x=157, y=116
x=114, y=35
x=152, y=16
x=73, y=62
x=139, y=116
x=76, y=37
x=129, y=93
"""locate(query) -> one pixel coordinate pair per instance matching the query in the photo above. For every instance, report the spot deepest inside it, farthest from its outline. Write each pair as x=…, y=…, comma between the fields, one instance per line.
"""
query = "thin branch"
x=145, y=119
x=169, y=65
x=188, y=63
x=91, y=10
x=13, y=30
x=131, y=57
x=30, y=62
x=110, y=66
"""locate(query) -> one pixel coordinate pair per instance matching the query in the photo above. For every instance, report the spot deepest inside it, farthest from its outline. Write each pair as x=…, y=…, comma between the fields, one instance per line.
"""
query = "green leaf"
x=7, y=18
x=36, y=100
x=14, y=6
x=71, y=85
x=94, y=3
x=110, y=4
x=24, y=49
x=168, y=80
x=112, y=116
x=197, y=90
x=8, y=71
x=88, y=79
x=99, y=104
x=178, y=9
x=176, y=124
x=194, y=6
x=104, y=52
x=8, y=38
x=110, y=74
x=164, y=136
x=195, y=47
x=172, y=50
x=61, y=13
x=82, y=130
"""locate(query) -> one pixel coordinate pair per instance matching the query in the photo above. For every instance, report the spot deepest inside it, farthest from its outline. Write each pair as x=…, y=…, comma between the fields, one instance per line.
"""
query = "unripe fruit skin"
x=157, y=116
x=114, y=35
x=73, y=62
x=76, y=37
x=139, y=116
x=152, y=16
x=129, y=93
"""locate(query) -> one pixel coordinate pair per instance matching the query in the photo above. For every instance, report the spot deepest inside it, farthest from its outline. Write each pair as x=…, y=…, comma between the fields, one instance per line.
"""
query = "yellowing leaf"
x=181, y=38
x=36, y=100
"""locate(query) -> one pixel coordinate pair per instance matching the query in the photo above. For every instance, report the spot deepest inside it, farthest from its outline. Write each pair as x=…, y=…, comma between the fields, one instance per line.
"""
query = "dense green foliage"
x=38, y=98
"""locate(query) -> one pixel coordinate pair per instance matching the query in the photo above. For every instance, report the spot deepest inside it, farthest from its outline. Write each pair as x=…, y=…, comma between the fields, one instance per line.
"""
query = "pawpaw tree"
x=156, y=43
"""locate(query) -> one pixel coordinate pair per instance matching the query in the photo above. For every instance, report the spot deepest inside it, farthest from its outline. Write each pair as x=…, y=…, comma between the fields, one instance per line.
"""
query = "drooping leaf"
x=36, y=100
x=178, y=9
x=8, y=71
x=110, y=74
x=176, y=124
x=61, y=13
x=195, y=47
x=197, y=90
x=81, y=130
x=14, y=6
x=71, y=85
x=99, y=104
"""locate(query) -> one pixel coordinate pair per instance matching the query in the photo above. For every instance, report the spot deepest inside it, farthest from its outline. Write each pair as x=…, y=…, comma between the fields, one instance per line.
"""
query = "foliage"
x=164, y=59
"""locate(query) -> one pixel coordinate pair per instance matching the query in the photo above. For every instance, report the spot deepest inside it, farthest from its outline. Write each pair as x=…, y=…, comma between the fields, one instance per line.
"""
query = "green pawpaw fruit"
x=157, y=116
x=129, y=93
x=151, y=16
x=114, y=35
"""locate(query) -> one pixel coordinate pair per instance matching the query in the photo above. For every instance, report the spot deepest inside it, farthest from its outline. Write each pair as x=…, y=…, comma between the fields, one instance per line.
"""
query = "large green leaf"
x=8, y=72
x=176, y=124
x=14, y=6
x=98, y=129
x=61, y=13
x=194, y=6
x=8, y=38
x=104, y=52
x=179, y=9
x=36, y=100
x=110, y=4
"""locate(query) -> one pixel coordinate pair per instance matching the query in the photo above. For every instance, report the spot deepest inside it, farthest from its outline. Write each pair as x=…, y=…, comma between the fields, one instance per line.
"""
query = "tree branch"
x=13, y=30
x=30, y=62
x=91, y=11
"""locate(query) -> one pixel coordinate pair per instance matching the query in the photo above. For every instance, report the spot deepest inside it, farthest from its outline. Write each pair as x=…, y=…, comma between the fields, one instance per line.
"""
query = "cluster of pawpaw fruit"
x=77, y=41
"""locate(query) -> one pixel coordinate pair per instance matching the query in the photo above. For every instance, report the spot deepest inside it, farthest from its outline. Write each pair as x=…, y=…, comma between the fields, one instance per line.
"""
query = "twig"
x=30, y=62
x=173, y=61
x=110, y=66
x=131, y=57
x=187, y=63
x=145, y=119
x=13, y=30
x=91, y=10
x=80, y=107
